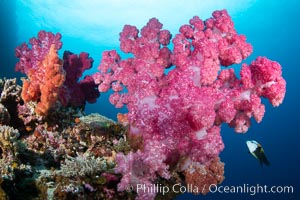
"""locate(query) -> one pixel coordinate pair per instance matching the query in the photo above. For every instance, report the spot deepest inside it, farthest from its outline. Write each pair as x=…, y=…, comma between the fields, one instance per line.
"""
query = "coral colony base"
x=169, y=141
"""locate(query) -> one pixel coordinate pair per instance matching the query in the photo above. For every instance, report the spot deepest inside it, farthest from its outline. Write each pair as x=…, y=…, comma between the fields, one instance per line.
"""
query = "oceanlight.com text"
x=251, y=189
x=213, y=188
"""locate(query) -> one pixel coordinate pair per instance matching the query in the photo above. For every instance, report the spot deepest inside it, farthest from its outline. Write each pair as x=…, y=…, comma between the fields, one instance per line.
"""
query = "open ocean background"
x=271, y=26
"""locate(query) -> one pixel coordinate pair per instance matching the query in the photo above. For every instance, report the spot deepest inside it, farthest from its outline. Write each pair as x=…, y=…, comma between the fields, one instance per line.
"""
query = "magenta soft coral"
x=31, y=55
x=183, y=109
x=74, y=92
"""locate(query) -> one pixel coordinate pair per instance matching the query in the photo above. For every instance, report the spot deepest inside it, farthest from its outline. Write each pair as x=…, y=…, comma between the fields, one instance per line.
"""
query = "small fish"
x=257, y=151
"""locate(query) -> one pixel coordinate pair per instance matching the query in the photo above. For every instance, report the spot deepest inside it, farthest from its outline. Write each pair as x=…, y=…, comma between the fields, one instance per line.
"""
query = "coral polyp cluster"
x=177, y=99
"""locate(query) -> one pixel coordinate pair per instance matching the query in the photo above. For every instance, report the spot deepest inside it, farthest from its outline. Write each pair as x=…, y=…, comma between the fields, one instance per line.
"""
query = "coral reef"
x=177, y=100
x=75, y=160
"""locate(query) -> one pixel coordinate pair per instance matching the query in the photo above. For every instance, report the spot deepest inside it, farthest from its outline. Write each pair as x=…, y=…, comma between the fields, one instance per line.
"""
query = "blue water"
x=271, y=26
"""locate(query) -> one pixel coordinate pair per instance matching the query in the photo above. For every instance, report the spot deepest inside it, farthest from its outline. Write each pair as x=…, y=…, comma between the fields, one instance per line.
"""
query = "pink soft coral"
x=183, y=109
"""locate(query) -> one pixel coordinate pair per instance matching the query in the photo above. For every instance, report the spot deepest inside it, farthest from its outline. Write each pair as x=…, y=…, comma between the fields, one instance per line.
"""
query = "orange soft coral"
x=44, y=82
x=123, y=119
